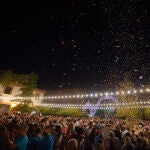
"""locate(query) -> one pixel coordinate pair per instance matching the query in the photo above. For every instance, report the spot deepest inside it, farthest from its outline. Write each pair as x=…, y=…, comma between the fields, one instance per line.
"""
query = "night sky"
x=84, y=44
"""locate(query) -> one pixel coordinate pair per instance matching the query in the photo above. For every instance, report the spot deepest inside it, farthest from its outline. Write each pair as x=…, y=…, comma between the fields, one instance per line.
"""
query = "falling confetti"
x=78, y=44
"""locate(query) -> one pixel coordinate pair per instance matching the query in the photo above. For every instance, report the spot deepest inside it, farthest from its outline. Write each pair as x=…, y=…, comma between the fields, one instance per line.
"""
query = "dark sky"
x=87, y=44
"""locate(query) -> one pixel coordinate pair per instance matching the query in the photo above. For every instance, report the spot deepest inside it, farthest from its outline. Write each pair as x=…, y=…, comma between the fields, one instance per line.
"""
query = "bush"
x=48, y=111
x=60, y=111
x=147, y=113
x=128, y=113
x=105, y=113
x=23, y=108
x=69, y=112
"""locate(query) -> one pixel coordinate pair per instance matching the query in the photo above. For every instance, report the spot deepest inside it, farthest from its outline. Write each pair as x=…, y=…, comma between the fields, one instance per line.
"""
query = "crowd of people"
x=37, y=132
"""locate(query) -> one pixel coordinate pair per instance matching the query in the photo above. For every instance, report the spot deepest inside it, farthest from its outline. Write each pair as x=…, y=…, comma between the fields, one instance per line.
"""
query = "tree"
x=29, y=82
x=6, y=77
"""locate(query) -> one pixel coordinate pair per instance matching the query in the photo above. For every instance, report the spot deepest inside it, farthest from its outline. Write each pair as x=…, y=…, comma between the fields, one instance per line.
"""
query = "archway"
x=92, y=110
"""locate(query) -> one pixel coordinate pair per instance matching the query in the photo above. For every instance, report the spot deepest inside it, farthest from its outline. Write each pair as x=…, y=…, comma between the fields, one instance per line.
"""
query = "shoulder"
x=22, y=138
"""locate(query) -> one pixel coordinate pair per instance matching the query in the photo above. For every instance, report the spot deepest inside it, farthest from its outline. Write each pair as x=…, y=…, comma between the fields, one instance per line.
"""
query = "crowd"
x=37, y=132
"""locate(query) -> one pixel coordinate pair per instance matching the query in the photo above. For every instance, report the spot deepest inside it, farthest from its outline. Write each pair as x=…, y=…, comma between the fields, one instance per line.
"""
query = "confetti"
x=78, y=44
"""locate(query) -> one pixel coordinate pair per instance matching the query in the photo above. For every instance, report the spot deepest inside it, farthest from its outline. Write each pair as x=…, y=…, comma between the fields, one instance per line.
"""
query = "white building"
x=12, y=91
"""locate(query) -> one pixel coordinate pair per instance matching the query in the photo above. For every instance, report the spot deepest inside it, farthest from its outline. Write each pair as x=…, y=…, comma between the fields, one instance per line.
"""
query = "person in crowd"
x=35, y=140
x=71, y=129
x=99, y=139
x=141, y=144
x=89, y=129
x=47, y=141
x=112, y=142
x=72, y=144
x=58, y=137
x=80, y=137
x=39, y=132
x=89, y=143
x=117, y=132
x=4, y=138
x=128, y=145
x=22, y=139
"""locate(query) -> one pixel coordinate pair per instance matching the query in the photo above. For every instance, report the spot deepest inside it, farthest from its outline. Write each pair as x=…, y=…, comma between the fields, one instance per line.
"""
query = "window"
x=8, y=90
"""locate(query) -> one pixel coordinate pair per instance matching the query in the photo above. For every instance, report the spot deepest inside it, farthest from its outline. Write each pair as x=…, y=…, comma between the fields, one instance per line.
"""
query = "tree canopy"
x=29, y=81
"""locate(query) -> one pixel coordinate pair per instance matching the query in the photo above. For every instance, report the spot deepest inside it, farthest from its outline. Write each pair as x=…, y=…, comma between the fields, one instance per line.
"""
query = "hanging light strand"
x=80, y=96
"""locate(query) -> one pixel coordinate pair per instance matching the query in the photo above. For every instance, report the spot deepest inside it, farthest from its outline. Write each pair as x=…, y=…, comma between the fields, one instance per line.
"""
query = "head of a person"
x=76, y=128
x=64, y=129
x=72, y=144
x=22, y=129
x=123, y=128
x=128, y=140
x=91, y=124
x=111, y=134
x=141, y=134
x=14, y=128
x=117, y=128
x=100, y=128
x=71, y=126
x=94, y=132
x=128, y=134
x=132, y=131
x=58, y=129
x=38, y=132
x=80, y=132
x=49, y=130
x=14, y=122
x=140, y=142
x=147, y=129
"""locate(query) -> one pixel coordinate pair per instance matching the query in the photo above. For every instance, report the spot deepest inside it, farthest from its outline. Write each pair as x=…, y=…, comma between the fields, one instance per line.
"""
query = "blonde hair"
x=72, y=144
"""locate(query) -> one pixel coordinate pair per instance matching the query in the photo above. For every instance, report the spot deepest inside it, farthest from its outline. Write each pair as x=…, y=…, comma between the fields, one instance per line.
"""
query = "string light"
x=96, y=95
x=141, y=90
x=122, y=92
x=129, y=92
x=78, y=95
x=111, y=93
x=86, y=95
x=106, y=94
x=117, y=93
x=130, y=104
x=91, y=95
x=80, y=106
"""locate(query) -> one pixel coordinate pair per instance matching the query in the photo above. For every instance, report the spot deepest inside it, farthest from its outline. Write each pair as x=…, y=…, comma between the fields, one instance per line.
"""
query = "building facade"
x=10, y=92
